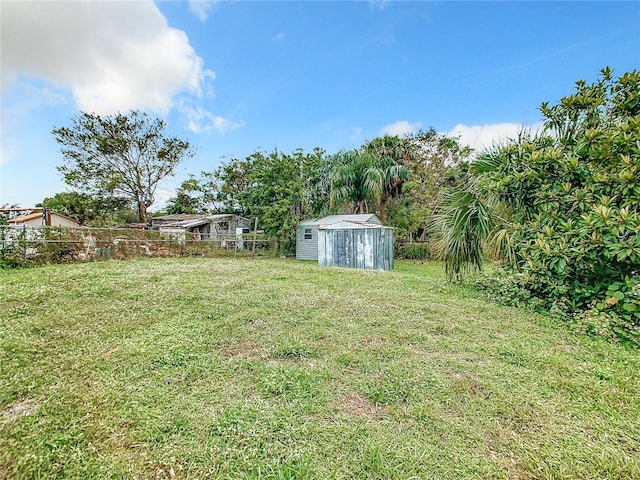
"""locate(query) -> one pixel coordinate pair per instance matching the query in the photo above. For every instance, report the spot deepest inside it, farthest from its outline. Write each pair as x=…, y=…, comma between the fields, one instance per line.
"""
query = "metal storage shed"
x=356, y=245
x=307, y=232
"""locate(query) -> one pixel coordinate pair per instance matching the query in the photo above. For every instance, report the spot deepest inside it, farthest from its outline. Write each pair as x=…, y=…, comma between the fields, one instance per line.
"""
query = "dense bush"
x=617, y=312
x=414, y=251
x=565, y=208
x=577, y=198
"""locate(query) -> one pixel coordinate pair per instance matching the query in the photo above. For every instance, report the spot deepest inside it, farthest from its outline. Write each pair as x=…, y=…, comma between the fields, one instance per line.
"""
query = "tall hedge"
x=573, y=197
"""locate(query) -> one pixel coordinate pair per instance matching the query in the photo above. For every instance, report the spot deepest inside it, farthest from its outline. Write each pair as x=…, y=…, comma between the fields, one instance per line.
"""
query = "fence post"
x=255, y=233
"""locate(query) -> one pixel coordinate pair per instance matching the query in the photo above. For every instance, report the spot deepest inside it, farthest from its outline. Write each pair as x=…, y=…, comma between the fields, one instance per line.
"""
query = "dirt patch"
x=16, y=410
x=356, y=404
x=243, y=348
x=469, y=386
x=498, y=444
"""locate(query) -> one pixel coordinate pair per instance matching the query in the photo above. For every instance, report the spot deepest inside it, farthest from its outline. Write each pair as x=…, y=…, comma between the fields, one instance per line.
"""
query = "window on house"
x=307, y=234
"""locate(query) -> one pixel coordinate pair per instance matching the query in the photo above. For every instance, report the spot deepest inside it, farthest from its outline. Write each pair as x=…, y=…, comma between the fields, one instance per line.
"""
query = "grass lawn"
x=276, y=369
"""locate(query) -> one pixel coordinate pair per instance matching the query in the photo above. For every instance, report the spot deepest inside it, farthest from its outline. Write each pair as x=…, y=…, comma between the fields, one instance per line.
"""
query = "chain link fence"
x=23, y=245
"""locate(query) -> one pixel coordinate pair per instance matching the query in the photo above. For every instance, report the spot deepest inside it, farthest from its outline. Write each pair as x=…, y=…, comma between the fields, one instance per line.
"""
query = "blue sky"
x=235, y=76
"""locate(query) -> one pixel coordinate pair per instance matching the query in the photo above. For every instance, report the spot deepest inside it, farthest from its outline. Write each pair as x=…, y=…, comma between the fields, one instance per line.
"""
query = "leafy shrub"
x=513, y=290
x=617, y=313
x=414, y=251
x=573, y=203
x=12, y=262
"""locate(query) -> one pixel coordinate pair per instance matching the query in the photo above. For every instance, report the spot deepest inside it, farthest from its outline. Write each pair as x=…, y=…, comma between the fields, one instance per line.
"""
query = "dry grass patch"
x=356, y=404
x=244, y=348
x=16, y=410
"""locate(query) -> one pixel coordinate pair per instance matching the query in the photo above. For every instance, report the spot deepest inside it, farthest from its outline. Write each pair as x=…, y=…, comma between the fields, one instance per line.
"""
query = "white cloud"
x=200, y=120
x=201, y=8
x=480, y=137
x=8, y=151
x=278, y=38
x=113, y=56
x=378, y=4
x=356, y=133
x=400, y=128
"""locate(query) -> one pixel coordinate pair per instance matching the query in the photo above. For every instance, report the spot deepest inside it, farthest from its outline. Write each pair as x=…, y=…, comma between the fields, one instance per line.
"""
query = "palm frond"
x=501, y=245
x=461, y=225
x=373, y=183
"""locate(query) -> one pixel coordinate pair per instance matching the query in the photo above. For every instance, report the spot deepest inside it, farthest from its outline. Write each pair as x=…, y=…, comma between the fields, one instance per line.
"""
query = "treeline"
x=399, y=179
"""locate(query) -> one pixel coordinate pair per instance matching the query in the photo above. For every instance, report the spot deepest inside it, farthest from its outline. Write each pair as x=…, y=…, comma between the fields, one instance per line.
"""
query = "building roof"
x=35, y=216
x=184, y=223
x=25, y=218
x=333, y=219
x=187, y=220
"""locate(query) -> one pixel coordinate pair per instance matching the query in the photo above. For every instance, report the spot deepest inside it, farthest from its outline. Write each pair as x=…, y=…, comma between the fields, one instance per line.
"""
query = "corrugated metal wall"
x=369, y=248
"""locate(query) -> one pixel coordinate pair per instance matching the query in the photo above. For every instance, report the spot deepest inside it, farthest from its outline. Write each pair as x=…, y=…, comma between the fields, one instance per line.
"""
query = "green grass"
x=276, y=369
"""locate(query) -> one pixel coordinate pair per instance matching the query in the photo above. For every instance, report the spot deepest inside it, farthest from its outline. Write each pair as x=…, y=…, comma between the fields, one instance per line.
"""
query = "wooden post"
x=24, y=237
x=255, y=233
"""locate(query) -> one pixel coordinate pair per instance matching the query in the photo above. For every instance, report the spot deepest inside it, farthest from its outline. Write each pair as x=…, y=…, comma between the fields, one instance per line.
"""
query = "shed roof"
x=351, y=225
x=333, y=219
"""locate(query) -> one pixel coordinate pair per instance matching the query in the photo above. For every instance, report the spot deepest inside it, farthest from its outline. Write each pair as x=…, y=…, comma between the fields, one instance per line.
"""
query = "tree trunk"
x=383, y=212
x=142, y=211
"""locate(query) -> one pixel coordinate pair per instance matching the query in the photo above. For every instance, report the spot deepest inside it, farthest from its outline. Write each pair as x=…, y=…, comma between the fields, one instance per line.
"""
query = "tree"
x=119, y=155
x=91, y=210
x=395, y=155
x=362, y=180
x=189, y=198
x=281, y=192
x=229, y=185
x=402, y=150
x=461, y=225
x=434, y=161
x=280, y=189
x=469, y=218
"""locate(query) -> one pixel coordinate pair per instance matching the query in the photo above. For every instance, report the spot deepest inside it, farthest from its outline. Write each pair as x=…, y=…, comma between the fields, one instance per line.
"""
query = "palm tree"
x=402, y=151
x=393, y=177
x=461, y=225
x=362, y=180
x=471, y=220
x=397, y=156
x=354, y=183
